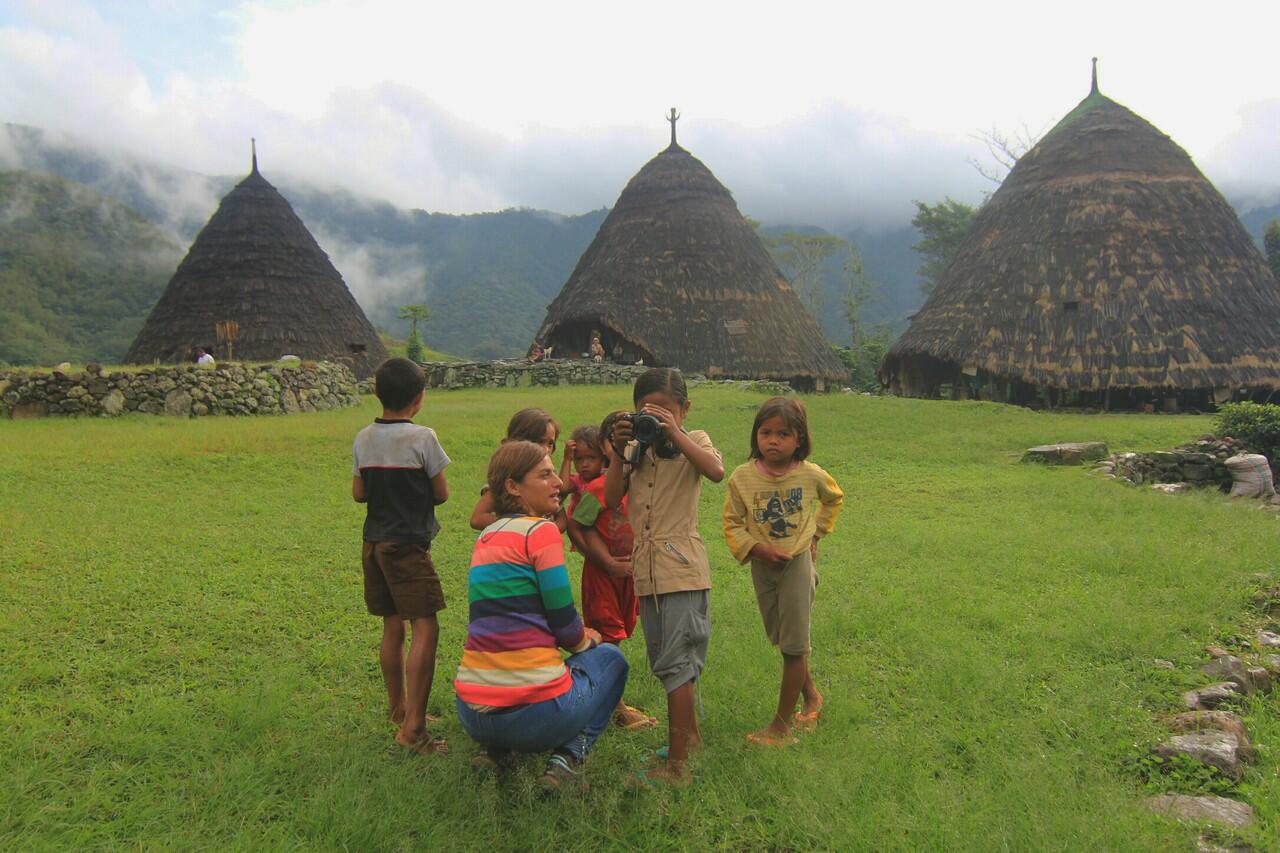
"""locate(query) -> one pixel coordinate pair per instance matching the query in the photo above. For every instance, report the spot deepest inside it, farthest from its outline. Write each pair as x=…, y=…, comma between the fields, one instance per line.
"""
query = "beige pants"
x=785, y=597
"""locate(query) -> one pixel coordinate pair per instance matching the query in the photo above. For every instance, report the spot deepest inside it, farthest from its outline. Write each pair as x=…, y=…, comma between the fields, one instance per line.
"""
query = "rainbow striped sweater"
x=521, y=615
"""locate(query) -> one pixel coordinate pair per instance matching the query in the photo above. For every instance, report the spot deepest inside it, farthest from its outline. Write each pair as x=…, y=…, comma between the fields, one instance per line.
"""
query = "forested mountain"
x=78, y=271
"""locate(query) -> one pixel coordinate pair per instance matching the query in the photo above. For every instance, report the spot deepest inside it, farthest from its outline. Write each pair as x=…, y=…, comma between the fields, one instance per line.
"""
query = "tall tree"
x=1271, y=240
x=942, y=228
x=414, y=314
x=802, y=257
x=859, y=292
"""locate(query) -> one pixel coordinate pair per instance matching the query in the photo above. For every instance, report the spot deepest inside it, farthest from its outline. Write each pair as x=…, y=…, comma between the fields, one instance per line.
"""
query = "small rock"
x=1208, y=844
x=1271, y=663
x=1222, y=721
x=1161, y=663
x=1219, y=810
x=1212, y=748
x=1208, y=698
x=1268, y=640
x=1217, y=652
x=1261, y=678
x=1170, y=488
x=1229, y=668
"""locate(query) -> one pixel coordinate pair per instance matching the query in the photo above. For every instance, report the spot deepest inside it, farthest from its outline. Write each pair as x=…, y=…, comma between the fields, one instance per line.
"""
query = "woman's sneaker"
x=560, y=774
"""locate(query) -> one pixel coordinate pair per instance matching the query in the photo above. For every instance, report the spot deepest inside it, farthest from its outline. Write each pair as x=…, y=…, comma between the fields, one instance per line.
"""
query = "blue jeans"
x=571, y=722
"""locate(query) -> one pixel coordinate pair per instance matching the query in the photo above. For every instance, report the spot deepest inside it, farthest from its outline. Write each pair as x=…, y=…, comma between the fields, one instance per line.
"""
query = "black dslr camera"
x=646, y=430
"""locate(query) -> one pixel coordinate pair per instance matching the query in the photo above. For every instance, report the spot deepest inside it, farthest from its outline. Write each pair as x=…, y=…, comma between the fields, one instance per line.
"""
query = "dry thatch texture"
x=255, y=264
x=678, y=277
x=1104, y=261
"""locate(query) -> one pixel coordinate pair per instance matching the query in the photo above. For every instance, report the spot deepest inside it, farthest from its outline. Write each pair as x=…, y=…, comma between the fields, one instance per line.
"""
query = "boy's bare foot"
x=665, y=774
x=769, y=736
x=424, y=744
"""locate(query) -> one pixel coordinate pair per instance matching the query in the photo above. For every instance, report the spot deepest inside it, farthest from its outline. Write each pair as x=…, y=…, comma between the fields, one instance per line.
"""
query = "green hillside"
x=78, y=271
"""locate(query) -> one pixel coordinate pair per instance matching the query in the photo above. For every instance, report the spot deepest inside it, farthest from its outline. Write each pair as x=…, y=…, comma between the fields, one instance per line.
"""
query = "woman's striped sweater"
x=522, y=613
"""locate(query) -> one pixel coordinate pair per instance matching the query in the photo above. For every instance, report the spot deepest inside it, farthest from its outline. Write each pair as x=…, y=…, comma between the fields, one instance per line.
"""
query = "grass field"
x=187, y=662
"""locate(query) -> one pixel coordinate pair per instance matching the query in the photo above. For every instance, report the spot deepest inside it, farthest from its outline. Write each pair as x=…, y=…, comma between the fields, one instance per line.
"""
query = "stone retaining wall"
x=516, y=374
x=183, y=391
x=1199, y=463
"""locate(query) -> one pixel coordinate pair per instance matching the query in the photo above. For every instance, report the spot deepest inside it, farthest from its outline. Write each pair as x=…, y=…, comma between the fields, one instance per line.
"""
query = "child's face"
x=665, y=401
x=588, y=461
x=549, y=439
x=777, y=441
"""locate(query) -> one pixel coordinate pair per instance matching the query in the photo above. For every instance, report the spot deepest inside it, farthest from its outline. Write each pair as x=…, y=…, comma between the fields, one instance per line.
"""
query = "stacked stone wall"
x=182, y=391
x=521, y=374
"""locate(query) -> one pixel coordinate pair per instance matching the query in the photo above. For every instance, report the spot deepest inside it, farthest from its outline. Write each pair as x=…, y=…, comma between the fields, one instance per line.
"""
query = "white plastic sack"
x=1251, y=476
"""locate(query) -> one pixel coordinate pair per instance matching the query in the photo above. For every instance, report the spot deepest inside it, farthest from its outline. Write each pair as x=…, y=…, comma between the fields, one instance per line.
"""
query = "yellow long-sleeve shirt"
x=785, y=512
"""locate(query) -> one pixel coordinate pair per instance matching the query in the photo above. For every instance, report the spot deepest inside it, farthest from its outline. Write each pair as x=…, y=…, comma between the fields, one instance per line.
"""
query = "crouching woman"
x=515, y=693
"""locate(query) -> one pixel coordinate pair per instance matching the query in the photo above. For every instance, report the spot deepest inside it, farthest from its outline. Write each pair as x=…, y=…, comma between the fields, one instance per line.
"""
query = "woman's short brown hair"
x=512, y=461
x=793, y=414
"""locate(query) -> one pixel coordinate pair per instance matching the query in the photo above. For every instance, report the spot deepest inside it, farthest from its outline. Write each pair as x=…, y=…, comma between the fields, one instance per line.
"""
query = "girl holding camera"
x=662, y=480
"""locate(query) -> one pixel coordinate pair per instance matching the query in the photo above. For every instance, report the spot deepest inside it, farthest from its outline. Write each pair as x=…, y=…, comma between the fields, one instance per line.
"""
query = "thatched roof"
x=677, y=276
x=1105, y=260
x=255, y=264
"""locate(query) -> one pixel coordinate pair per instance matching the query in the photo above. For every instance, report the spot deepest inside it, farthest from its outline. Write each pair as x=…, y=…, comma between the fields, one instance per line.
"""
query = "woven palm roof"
x=1105, y=260
x=257, y=265
x=679, y=273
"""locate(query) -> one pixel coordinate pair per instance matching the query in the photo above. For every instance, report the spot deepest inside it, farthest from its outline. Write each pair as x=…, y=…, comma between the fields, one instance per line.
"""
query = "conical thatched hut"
x=677, y=277
x=1105, y=270
x=256, y=267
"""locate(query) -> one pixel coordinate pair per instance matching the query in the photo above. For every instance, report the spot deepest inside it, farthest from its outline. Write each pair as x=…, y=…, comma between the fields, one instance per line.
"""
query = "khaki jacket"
x=662, y=506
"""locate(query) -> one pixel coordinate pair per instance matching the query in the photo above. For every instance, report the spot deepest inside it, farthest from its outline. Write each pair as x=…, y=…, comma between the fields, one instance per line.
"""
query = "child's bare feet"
x=772, y=736
x=673, y=774
x=396, y=715
x=423, y=744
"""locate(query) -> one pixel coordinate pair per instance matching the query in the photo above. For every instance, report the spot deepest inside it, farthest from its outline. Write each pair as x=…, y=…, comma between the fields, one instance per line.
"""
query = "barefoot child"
x=670, y=568
x=777, y=508
x=399, y=476
x=603, y=536
x=525, y=425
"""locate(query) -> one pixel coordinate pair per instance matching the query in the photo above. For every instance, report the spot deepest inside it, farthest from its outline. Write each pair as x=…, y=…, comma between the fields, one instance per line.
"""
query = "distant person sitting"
x=597, y=349
x=203, y=359
x=536, y=352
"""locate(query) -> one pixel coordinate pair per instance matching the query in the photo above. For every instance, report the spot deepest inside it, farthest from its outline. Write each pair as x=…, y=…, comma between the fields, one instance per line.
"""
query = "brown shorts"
x=400, y=580
x=785, y=597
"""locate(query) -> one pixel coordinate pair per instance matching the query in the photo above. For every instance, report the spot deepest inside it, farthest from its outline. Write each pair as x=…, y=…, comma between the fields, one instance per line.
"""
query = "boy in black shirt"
x=399, y=474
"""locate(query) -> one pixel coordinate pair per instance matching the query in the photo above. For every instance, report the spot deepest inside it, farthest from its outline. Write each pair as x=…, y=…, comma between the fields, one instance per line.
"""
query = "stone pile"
x=181, y=391
x=1200, y=463
x=453, y=375
x=1211, y=733
x=522, y=374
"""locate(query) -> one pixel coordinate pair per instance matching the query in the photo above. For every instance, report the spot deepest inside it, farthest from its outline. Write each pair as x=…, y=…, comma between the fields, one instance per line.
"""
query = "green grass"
x=396, y=347
x=187, y=662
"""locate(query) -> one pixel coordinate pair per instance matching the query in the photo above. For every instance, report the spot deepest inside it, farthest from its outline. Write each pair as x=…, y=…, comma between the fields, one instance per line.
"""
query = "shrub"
x=413, y=349
x=1255, y=425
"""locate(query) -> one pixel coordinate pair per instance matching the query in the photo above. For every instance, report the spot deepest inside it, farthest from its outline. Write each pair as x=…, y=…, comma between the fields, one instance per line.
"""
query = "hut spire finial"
x=1094, y=88
x=253, y=148
x=673, y=118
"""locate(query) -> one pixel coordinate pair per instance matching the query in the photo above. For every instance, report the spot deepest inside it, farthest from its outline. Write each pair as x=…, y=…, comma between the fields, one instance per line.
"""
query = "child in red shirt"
x=603, y=535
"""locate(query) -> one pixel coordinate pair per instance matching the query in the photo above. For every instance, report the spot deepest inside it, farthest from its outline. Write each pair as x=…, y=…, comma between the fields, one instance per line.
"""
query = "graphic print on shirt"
x=777, y=506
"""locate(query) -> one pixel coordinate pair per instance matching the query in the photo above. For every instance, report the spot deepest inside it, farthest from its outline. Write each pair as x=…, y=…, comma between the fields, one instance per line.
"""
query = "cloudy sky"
x=832, y=113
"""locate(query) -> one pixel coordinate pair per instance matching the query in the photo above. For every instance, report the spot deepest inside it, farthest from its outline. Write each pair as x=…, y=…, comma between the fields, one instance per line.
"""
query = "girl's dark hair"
x=512, y=461
x=793, y=414
x=588, y=435
x=661, y=380
x=530, y=425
